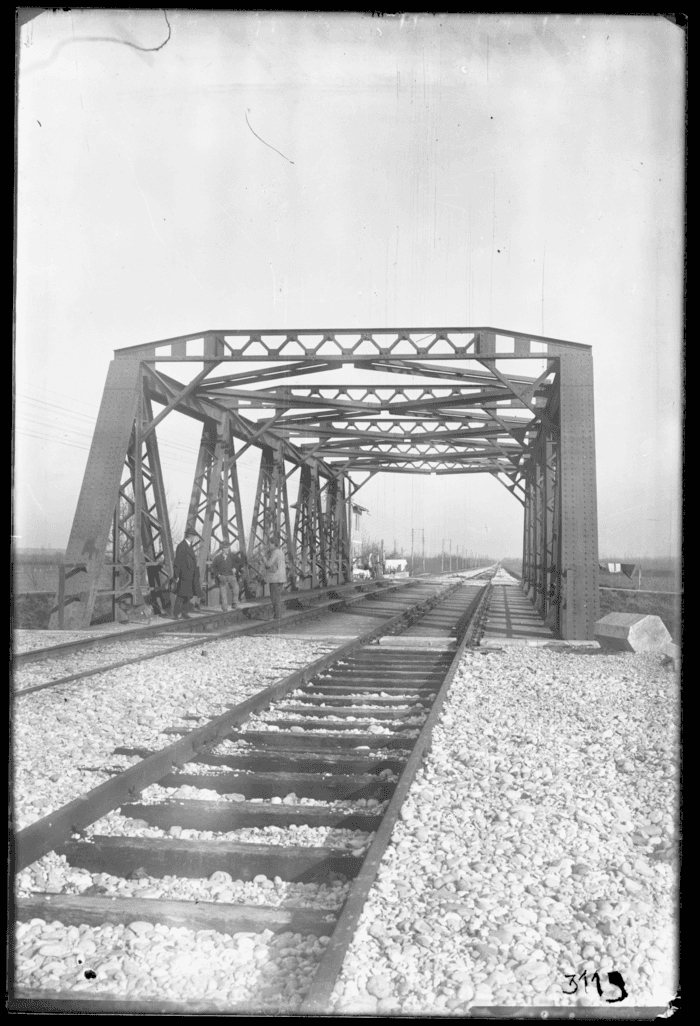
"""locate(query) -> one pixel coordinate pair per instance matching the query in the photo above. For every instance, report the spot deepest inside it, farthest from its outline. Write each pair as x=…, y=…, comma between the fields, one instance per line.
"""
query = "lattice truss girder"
x=541, y=550
x=472, y=405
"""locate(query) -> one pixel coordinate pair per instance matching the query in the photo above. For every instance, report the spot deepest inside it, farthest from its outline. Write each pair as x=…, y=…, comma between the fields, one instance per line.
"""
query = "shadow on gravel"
x=579, y=650
x=559, y=647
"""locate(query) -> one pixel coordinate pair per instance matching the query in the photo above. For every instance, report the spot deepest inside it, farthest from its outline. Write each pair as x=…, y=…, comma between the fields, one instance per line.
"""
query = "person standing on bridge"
x=186, y=574
x=225, y=567
x=157, y=592
x=275, y=573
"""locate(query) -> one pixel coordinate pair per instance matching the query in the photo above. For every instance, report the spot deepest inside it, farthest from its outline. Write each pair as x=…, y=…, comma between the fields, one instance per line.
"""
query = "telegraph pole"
x=443, y=554
x=411, y=551
x=423, y=530
x=450, y=555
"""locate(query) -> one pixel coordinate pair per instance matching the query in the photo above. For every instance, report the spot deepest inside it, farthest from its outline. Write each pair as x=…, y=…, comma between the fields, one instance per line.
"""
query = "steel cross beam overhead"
x=325, y=408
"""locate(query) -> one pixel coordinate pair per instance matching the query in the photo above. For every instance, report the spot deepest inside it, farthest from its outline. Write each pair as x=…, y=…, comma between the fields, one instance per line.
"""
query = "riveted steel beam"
x=480, y=400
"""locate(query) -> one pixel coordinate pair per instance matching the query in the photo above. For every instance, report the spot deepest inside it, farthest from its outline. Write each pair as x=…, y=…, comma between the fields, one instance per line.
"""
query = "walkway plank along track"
x=400, y=687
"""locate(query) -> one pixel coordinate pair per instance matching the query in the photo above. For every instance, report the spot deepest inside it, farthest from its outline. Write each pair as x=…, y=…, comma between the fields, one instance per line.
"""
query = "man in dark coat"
x=186, y=573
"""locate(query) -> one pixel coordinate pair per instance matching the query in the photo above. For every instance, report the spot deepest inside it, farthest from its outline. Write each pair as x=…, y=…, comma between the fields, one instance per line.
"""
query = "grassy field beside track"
x=618, y=594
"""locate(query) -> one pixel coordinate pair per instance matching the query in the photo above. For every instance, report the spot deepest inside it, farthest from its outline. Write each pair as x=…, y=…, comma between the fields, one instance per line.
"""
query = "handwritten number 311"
x=614, y=979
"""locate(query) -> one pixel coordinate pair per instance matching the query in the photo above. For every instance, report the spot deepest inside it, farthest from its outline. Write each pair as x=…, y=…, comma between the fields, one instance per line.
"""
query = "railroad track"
x=333, y=747
x=145, y=643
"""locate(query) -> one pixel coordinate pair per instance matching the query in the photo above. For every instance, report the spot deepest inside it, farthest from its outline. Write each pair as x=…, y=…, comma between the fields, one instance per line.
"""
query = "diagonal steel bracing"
x=479, y=400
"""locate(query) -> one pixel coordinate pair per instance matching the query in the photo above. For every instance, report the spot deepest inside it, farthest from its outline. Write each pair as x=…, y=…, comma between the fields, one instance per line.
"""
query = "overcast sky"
x=523, y=172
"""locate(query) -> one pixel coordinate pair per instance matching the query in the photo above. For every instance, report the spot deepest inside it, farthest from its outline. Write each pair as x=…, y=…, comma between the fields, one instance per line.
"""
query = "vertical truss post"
x=320, y=533
x=260, y=521
x=580, y=601
x=124, y=558
x=302, y=543
x=535, y=540
x=527, y=533
x=231, y=512
x=285, y=533
x=140, y=534
x=214, y=488
x=551, y=511
x=338, y=555
x=308, y=530
x=271, y=508
x=331, y=525
x=194, y=512
x=157, y=507
x=540, y=536
x=215, y=512
x=347, y=531
x=540, y=529
x=205, y=492
x=138, y=519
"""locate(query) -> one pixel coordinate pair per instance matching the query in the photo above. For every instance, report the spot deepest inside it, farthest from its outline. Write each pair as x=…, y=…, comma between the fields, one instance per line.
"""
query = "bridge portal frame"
x=473, y=410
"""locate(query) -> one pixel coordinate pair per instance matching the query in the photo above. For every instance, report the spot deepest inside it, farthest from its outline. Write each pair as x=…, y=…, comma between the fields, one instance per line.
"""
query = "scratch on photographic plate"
x=262, y=140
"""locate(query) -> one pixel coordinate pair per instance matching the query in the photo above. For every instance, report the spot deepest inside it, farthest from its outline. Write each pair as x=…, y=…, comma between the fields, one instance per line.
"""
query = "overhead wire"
x=165, y=446
x=167, y=443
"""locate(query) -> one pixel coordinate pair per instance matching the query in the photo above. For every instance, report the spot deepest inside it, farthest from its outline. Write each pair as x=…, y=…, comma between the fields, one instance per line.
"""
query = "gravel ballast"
x=52, y=875
x=537, y=841
x=64, y=737
x=144, y=961
x=92, y=660
x=116, y=825
x=27, y=640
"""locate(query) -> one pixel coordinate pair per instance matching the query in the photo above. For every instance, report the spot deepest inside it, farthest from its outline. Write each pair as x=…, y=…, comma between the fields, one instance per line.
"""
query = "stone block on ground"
x=632, y=632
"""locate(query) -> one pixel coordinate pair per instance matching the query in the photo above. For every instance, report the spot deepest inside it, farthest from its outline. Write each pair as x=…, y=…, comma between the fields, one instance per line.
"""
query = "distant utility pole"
x=423, y=530
x=443, y=554
x=411, y=550
x=450, y=555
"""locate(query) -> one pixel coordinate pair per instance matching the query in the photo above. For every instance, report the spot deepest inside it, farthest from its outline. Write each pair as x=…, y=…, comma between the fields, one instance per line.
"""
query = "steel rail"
x=55, y=830
x=41, y=837
x=232, y=632
x=317, y=1001
x=211, y=619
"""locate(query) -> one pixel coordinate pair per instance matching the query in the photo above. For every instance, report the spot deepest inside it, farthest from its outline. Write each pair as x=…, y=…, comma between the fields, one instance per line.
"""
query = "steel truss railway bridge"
x=430, y=401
